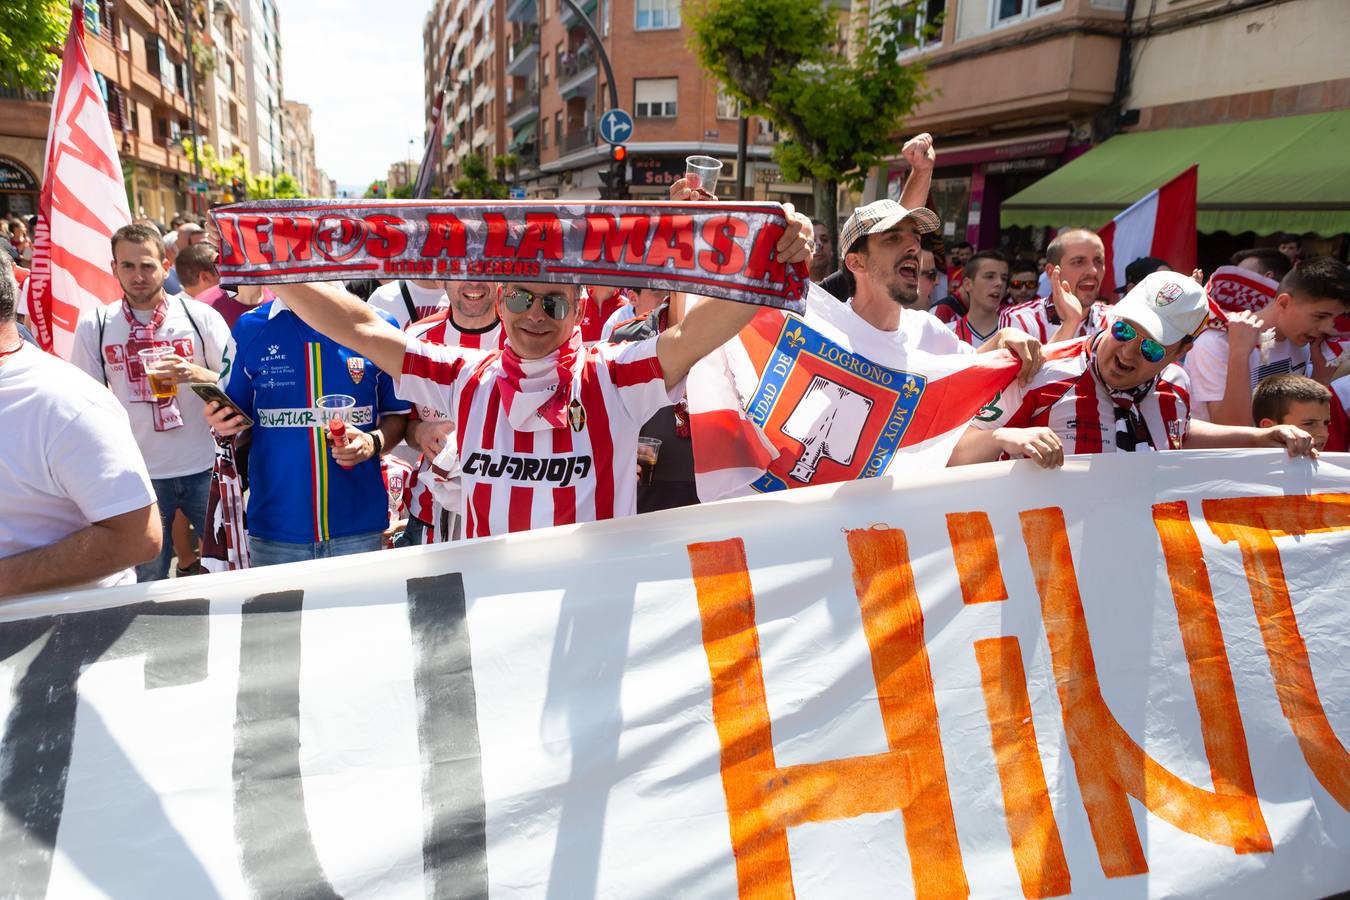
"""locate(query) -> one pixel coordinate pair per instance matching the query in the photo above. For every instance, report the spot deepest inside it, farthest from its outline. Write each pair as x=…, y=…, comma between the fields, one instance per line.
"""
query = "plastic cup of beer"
x=153, y=360
x=649, y=448
x=701, y=173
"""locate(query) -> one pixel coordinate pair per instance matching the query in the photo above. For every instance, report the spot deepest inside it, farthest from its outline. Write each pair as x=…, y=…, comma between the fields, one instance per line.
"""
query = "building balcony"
x=576, y=71
x=524, y=107
x=525, y=57
x=570, y=19
x=1059, y=74
x=578, y=139
x=522, y=10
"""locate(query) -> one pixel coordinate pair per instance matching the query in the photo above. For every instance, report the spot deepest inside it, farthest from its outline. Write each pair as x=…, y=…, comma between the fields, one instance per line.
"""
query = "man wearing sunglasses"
x=1119, y=390
x=547, y=429
x=1022, y=281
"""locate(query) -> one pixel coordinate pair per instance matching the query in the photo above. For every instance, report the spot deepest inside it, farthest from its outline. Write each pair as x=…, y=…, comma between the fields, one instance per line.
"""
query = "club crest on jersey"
x=356, y=367
x=576, y=415
x=1168, y=293
x=845, y=413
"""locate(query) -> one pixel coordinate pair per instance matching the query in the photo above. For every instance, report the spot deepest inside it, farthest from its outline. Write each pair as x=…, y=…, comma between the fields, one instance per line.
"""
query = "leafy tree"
x=838, y=110
x=31, y=36
x=477, y=183
x=378, y=188
x=402, y=192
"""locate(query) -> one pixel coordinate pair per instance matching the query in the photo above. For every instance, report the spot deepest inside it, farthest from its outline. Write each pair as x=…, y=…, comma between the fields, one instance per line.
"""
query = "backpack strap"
x=407, y=301
x=201, y=341
x=101, y=313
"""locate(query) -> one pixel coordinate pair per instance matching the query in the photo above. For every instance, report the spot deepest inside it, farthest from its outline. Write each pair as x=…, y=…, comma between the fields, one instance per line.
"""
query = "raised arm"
x=338, y=314
x=711, y=323
x=919, y=153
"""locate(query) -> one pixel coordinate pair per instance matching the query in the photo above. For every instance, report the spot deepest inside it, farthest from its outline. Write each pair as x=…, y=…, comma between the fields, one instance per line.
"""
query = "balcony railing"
x=579, y=139
x=579, y=60
x=530, y=36
x=525, y=100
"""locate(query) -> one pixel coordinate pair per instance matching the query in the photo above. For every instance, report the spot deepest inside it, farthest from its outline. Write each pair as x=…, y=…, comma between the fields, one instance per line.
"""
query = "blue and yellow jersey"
x=297, y=491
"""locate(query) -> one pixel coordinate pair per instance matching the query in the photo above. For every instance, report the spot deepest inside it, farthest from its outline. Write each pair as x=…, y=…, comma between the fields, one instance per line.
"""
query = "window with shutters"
x=655, y=98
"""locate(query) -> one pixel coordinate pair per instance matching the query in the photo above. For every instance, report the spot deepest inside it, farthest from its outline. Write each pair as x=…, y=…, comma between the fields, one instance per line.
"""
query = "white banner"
x=1124, y=679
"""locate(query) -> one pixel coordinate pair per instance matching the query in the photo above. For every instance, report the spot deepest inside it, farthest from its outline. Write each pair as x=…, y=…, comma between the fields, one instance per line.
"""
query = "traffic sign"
x=616, y=126
x=517, y=193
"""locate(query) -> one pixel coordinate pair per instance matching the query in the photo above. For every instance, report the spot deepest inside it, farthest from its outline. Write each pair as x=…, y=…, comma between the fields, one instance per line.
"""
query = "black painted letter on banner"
x=40, y=732
x=454, y=851
x=270, y=825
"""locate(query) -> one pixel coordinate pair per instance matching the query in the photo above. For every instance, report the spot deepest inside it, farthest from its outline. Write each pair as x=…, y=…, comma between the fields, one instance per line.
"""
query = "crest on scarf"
x=1167, y=293
x=846, y=413
x=576, y=415
x=356, y=367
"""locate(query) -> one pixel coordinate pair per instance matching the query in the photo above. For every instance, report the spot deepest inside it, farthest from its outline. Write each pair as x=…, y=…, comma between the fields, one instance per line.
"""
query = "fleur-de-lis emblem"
x=910, y=389
x=795, y=338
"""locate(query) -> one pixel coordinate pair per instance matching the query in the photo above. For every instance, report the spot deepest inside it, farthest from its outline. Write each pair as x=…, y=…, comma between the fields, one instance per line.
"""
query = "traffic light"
x=616, y=178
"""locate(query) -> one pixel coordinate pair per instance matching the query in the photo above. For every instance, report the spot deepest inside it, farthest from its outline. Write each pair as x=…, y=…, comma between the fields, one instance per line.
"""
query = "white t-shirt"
x=426, y=301
x=1207, y=365
x=67, y=456
x=178, y=451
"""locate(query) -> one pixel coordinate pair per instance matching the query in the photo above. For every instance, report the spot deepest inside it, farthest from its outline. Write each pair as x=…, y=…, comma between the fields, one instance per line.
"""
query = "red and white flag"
x=1161, y=224
x=797, y=401
x=83, y=202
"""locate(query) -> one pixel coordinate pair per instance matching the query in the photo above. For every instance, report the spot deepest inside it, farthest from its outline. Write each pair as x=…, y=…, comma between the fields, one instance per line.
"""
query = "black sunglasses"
x=555, y=306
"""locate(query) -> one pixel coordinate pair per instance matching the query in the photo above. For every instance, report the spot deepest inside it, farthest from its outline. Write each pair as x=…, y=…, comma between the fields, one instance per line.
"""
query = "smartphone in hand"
x=210, y=392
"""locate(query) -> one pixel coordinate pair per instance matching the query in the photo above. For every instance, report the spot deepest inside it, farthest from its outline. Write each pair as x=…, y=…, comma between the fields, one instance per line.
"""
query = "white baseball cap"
x=1168, y=306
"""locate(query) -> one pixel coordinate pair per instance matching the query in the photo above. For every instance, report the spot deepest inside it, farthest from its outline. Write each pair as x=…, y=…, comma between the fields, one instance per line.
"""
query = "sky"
x=358, y=64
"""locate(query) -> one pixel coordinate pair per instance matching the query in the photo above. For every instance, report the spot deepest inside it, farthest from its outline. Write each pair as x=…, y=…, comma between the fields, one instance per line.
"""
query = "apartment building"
x=298, y=140
x=525, y=81
x=137, y=49
x=227, y=100
x=262, y=69
x=401, y=174
x=465, y=50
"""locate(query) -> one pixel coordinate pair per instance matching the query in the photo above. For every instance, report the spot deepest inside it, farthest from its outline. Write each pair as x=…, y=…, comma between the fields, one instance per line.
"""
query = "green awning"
x=1272, y=175
x=524, y=134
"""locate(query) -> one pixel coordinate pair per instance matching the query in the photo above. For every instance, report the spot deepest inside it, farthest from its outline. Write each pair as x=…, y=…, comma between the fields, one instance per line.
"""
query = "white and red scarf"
x=142, y=337
x=536, y=392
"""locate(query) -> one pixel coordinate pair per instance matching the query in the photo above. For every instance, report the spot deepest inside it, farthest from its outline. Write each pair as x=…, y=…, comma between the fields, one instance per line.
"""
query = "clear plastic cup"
x=701, y=173
x=335, y=413
x=649, y=448
x=162, y=386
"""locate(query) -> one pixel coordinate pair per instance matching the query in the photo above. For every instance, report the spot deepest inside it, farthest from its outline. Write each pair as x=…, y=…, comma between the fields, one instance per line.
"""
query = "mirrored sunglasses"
x=1019, y=283
x=1150, y=349
x=555, y=306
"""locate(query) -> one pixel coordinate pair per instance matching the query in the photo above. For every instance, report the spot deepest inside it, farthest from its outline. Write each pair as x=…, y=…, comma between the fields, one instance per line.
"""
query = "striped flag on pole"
x=83, y=202
x=797, y=401
x=1160, y=224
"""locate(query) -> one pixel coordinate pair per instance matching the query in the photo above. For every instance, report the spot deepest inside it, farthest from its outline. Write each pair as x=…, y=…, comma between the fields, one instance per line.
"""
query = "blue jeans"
x=263, y=552
x=188, y=493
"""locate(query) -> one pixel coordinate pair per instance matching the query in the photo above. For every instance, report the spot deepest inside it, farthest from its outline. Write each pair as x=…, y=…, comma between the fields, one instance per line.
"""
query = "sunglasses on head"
x=1150, y=349
x=555, y=306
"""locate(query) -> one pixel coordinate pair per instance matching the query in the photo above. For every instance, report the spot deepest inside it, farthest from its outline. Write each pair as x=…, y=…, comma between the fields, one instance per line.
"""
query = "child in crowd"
x=1294, y=400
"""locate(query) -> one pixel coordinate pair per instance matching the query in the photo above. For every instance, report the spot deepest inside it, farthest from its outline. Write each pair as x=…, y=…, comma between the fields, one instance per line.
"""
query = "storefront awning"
x=524, y=134
x=1267, y=176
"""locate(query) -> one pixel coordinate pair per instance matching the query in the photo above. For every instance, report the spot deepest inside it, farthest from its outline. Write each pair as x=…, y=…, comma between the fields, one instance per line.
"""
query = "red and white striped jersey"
x=965, y=331
x=440, y=329
x=1338, y=440
x=1067, y=397
x=594, y=314
x=513, y=480
x=1038, y=319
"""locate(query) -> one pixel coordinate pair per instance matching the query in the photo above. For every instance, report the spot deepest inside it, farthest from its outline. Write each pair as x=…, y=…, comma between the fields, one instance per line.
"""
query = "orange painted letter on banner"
x=1108, y=763
x=1255, y=522
x=1037, y=848
x=763, y=799
x=976, y=557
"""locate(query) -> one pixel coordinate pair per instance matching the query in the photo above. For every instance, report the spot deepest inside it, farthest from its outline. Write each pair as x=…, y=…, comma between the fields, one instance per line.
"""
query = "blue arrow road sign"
x=616, y=126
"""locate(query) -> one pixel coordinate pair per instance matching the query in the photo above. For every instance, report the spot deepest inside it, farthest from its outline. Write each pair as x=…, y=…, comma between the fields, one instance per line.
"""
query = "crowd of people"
x=477, y=409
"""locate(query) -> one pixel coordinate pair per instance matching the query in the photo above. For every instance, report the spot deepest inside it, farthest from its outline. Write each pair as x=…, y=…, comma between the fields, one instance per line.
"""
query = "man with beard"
x=469, y=321
x=193, y=338
x=1226, y=365
x=1075, y=263
x=820, y=257
x=883, y=255
x=409, y=301
x=1120, y=392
